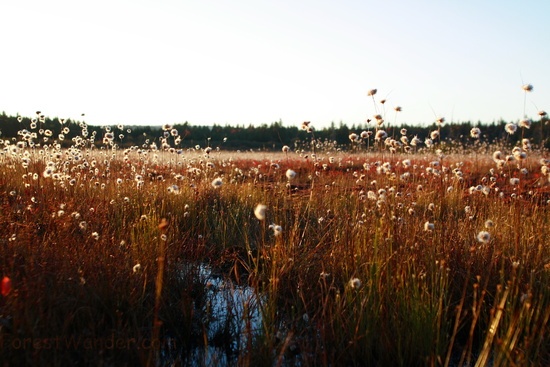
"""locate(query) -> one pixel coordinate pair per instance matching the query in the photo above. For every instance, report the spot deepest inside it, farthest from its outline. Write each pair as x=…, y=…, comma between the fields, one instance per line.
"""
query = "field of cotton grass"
x=399, y=252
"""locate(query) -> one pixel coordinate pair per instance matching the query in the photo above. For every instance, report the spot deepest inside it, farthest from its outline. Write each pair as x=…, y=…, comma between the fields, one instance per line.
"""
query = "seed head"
x=355, y=283
x=484, y=237
x=429, y=226
x=259, y=211
x=525, y=123
x=380, y=134
x=277, y=229
x=475, y=133
x=217, y=183
x=290, y=174
x=415, y=141
x=527, y=87
x=511, y=128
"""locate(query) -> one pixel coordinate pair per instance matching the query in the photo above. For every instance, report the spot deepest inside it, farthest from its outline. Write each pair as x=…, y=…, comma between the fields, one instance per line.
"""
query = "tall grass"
x=378, y=261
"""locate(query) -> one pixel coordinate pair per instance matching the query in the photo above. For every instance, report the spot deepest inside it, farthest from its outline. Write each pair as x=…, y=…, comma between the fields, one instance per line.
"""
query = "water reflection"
x=230, y=318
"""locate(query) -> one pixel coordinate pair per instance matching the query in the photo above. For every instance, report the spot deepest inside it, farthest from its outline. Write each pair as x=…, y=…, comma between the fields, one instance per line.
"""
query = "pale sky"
x=150, y=62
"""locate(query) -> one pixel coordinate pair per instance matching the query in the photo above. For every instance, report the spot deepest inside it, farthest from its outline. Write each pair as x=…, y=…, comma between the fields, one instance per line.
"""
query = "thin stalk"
x=157, y=323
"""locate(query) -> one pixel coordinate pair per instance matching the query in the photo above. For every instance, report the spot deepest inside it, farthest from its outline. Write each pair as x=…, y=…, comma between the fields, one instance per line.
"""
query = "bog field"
x=389, y=251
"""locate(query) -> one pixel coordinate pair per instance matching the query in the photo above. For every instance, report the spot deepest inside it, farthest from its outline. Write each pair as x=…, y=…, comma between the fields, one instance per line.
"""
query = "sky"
x=241, y=62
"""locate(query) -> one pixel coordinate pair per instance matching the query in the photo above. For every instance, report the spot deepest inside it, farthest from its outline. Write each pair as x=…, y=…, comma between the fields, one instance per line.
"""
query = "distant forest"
x=264, y=137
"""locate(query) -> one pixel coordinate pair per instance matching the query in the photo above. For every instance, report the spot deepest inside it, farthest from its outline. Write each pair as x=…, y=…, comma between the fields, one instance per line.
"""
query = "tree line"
x=264, y=136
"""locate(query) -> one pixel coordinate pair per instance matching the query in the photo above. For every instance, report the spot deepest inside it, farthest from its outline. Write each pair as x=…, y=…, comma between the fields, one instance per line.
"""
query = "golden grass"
x=357, y=276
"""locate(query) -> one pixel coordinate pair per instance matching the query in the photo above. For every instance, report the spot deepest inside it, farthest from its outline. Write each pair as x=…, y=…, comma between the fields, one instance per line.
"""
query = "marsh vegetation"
x=391, y=251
